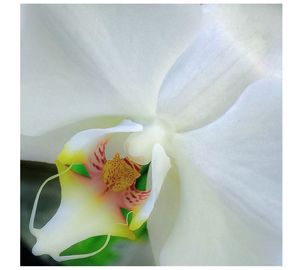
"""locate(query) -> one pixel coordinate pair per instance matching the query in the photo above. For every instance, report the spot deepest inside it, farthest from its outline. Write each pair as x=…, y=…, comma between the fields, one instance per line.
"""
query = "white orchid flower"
x=198, y=91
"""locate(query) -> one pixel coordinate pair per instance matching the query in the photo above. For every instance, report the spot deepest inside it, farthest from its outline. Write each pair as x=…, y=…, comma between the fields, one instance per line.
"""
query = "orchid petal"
x=83, y=213
x=88, y=195
x=233, y=49
x=230, y=200
x=263, y=21
x=159, y=168
x=58, y=137
x=164, y=215
x=81, y=61
x=81, y=145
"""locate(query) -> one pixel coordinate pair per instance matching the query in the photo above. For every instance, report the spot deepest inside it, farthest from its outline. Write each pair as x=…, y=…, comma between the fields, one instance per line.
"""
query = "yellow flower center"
x=119, y=174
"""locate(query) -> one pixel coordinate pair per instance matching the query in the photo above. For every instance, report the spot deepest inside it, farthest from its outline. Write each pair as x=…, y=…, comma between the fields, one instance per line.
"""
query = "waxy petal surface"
x=81, y=61
x=230, y=187
x=233, y=49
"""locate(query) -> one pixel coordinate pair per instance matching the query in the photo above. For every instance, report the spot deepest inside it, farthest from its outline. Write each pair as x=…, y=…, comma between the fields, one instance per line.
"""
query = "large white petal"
x=81, y=61
x=263, y=24
x=46, y=147
x=236, y=45
x=230, y=200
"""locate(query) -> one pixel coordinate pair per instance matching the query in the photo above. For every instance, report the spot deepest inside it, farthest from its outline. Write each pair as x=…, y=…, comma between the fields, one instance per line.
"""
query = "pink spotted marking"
x=129, y=198
x=98, y=158
x=132, y=165
x=134, y=197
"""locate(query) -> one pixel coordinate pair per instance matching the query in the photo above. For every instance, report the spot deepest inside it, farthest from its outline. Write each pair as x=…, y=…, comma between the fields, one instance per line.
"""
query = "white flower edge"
x=230, y=188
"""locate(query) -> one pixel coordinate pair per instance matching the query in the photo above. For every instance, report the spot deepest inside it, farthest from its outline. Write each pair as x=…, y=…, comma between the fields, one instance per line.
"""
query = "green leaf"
x=141, y=233
x=80, y=169
x=105, y=257
x=141, y=182
x=145, y=168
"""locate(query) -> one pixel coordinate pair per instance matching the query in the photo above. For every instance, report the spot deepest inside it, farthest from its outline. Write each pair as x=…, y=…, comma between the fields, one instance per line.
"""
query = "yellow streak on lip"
x=67, y=157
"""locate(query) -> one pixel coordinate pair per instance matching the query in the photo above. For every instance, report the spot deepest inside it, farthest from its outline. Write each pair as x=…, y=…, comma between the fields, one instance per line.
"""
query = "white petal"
x=46, y=147
x=262, y=21
x=232, y=50
x=80, y=146
x=230, y=200
x=163, y=217
x=159, y=168
x=81, y=61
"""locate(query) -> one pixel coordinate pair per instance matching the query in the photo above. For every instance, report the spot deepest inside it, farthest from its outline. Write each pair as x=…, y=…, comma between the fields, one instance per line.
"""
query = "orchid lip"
x=91, y=202
x=96, y=190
